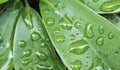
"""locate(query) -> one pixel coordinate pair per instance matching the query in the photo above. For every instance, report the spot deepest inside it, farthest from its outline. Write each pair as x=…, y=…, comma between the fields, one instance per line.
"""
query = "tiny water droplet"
x=22, y=43
x=73, y=18
x=41, y=67
x=60, y=38
x=27, y=53
x=100, y=41
x=30, y=69
x=110, y=6
x=87, y=55
x=35, y=36
x=116, y=20
x=78, y=47
x=106, y=55
x=101, y=30
x=50, y=21
x=77, y=25
x=77, y=33
x=98, y=68
x=42, y=56
x=116, y=53
x=65, y=23
x=1, y=38
x=95, y=0
x=46, y=11
x=43, y=45
x=111, y=35
x=63, y=5
x=26, y=61
x=72, y=37
x=57, y=30
x=76, y=65
x=88, y=31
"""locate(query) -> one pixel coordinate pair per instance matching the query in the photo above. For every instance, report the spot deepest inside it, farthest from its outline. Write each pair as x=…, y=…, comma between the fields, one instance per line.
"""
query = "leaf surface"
x=83, y=39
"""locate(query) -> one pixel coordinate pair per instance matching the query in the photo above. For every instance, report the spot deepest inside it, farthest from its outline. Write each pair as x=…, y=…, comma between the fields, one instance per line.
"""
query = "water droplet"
x=98, y=68
x=57, y=30
x=100, y=41
x=73, y=18
x=77, y=25
x=28, y=20
x=1, y=38
x=88, y=31
x=26, y=61
x=79, y=47
x=117, y=20
x=110, y=6
x=95, y=0
x=50, y=21
x=106, y=55
x=57, y=4
x=65, y=23
x=30, y=69
x=77, y=33
x=116, y=53
x=60, y=38
x=27, y=53
x=72, y=37
x=87, y=56
x=46, y=11
x=111, y=35
x=22, y=43
x=63, y=5
x=43, y=45
x=42, y=56
x=41, y=67
x=35, y=36
x=101, y=30
x=76, y=65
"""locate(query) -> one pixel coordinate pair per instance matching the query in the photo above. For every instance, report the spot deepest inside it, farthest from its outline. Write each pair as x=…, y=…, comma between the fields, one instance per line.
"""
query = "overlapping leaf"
x=83, y=39
x=32, y=47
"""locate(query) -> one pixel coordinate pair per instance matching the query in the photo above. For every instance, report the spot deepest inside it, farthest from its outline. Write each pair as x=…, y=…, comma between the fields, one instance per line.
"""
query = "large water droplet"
x=1, y=38
x=22, y=43
x=111, y=35
x=79, y=47
x=35, y=36
x=60, y=38
x=72, y=37
x=50, y=21
x=110, y=6
x=77, y=25
x=63, y=5
x=100, y=41
x=76, y=65
x=65, y=23
x=26, y=61
x=42, y=56
x=41, y=67
x=95, y=0
x=88, y=31
x=27, y=53
x=101, y=30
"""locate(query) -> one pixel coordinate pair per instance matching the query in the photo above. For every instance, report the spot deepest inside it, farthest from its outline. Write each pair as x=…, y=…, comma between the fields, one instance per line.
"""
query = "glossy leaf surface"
x=83, y=39
x=6, y=34
x=32, y=47
x=103, y=6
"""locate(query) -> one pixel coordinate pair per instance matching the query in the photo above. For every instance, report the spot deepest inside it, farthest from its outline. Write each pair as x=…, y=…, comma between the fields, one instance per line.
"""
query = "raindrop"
x=30, y=69
x=73, y=18
x=57, y=30
x=27, y=53
x=65, y=23
x=26, y=61
x=106, y=55
x=42, y=56
x=42, y=67
x=22, y=43
x=50, y=21
x=87, y=55
x=63, y=5
x=1, y=38
x=72, y=37
x=110, y=6
x=76, y=65
x=78, y=47
x=60, y=38
x=77, y=25
x=116, y=53
x=35, y=36
x=88, y=31
x=101, y=30
x=100, y=41
x=43, y=45
x=111, y=35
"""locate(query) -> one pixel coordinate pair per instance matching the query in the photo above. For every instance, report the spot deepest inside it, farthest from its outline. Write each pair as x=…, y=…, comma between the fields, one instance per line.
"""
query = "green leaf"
x=83, y=39
x=114, y=18
x=32, y=47
x=103, y=6
x=3, y=1
x=7, y=22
